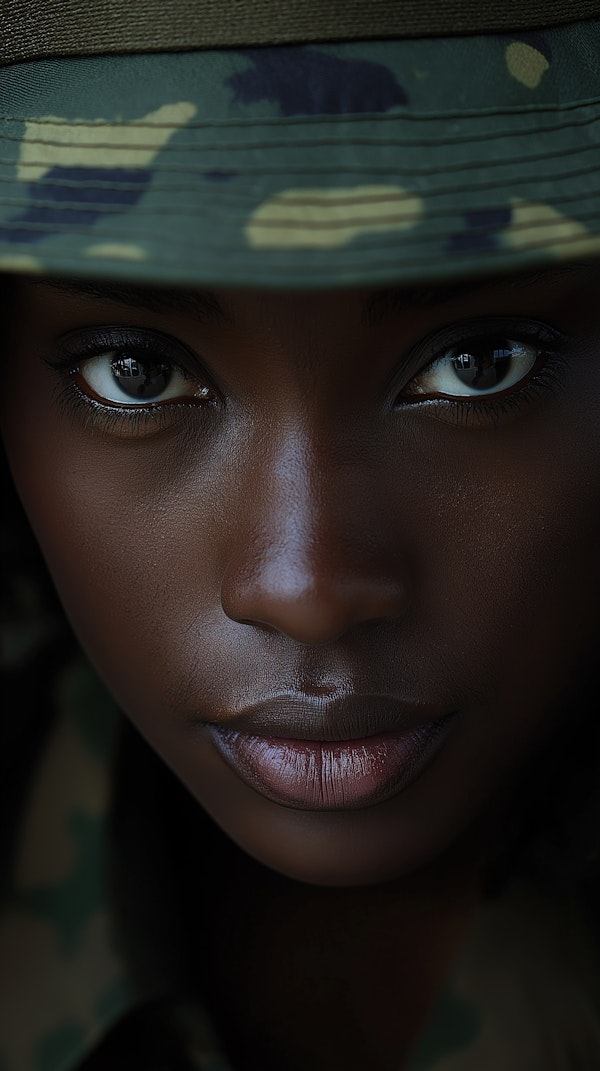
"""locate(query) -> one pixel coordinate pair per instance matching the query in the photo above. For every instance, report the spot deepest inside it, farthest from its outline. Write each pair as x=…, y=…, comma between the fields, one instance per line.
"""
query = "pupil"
x=485, y=370
x=141, y=379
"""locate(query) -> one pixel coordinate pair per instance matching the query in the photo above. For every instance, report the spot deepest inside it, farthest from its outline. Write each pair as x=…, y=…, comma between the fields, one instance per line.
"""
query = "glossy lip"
x=314, y=754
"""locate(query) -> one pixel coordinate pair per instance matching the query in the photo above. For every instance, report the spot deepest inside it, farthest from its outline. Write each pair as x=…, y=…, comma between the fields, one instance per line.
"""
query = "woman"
x=300, y=404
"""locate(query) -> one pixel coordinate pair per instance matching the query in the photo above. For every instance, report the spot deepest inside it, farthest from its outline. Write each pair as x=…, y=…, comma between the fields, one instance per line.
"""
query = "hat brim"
x=315, y=166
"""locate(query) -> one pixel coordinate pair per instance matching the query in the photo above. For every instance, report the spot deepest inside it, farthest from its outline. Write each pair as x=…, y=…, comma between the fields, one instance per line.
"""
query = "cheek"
x=110, y=526
x=514, y=584
x=136, y=583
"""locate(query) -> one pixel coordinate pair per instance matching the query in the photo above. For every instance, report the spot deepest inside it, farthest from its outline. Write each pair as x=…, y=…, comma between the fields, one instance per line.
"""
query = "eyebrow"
x=201, y=304
x=204, y=305
x=394, y=300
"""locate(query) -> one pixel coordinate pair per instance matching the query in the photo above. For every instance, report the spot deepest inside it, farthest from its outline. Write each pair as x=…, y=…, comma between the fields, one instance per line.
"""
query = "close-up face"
x=334, y=553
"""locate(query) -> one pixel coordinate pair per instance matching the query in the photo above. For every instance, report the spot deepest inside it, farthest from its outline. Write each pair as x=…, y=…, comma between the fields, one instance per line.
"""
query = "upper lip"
x=310, y=717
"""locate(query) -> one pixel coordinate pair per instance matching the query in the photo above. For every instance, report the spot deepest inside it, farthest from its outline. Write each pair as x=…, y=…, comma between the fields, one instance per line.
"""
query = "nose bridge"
x=294, y=523
x=309, y=564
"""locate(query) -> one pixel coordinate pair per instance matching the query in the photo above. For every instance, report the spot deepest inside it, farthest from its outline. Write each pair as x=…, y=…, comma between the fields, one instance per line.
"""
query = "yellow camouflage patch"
x=20, y=262
x=537, y=224
x=329, y=218
x=54, y=142
x=116, y=250
x=526, y=64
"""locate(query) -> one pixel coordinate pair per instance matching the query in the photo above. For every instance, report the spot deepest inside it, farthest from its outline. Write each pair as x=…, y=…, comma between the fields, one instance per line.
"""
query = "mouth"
x=312, y=754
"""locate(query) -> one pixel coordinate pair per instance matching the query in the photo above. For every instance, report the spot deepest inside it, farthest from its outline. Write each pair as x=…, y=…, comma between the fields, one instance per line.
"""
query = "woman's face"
x=335, y=554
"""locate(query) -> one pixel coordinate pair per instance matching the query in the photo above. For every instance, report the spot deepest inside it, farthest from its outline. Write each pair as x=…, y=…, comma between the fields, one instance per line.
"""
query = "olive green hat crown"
x=277, y=144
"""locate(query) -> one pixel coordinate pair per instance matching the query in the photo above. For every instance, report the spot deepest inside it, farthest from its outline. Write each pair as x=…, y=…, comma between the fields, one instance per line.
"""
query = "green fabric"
x=61, y=978
x=328, y=165
x=43, y=28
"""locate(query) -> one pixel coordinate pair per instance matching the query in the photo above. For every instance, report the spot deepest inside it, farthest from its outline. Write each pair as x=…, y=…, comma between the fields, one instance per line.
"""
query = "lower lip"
x=317, y=775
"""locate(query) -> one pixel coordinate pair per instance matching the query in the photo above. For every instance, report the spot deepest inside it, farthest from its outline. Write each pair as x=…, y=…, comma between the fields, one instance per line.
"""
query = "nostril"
x=313, y=565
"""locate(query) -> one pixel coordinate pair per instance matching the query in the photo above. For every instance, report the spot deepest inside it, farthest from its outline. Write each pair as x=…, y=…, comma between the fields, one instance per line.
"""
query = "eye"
x=121, y=378
x=476, y=368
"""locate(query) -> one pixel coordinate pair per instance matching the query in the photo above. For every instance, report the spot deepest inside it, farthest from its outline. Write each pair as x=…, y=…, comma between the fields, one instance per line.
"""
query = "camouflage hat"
x=241, y=144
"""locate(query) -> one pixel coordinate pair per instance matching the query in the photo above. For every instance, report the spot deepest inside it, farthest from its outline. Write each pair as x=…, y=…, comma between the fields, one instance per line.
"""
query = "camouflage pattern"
x=63, y=978
x=60, y=978
x=305, y=165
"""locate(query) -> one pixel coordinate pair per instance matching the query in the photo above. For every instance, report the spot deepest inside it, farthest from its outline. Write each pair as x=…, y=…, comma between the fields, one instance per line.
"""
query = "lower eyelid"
x=92, y=415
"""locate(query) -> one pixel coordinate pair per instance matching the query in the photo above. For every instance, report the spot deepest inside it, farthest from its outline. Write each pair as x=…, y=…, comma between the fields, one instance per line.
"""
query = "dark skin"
x=308, y=511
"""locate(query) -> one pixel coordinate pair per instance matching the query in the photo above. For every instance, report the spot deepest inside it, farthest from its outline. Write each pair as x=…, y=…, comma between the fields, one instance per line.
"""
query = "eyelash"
x=136, y=418
x=490, y=408
x=462, y=412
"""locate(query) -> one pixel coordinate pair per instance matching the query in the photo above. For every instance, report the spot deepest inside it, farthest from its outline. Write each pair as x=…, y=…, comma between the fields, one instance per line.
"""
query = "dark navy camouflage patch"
x=483, y=228
x=74, y=197
x=307, y=81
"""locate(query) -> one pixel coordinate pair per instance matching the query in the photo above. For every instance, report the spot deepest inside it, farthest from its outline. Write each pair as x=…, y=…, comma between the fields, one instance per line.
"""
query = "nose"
x=314, y=557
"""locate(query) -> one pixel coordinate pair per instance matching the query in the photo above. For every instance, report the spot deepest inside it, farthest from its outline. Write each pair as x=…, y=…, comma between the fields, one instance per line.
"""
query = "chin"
x=351, y=848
